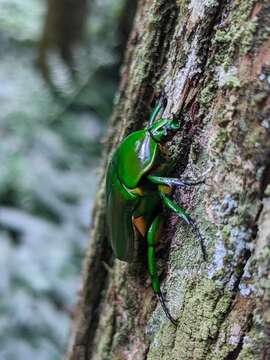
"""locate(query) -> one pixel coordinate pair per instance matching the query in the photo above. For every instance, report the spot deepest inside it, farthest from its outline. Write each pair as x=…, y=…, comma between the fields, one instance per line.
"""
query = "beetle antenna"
x=199, y=236
x=165, y=309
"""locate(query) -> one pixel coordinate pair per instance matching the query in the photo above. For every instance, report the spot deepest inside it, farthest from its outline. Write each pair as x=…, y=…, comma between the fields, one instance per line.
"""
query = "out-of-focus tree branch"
x=62, y=30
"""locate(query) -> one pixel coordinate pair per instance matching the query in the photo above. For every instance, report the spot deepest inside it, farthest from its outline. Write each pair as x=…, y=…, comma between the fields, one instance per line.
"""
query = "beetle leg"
x=162, y=102
x=160, y=180
x=183, y=215
x=151, y=262
x=154, y=114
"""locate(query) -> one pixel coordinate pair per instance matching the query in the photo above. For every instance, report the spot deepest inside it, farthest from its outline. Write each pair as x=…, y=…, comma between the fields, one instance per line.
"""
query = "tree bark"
x=212, y=58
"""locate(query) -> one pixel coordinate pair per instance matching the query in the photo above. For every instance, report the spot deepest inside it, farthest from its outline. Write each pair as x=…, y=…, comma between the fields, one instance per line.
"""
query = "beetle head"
x=163, y=128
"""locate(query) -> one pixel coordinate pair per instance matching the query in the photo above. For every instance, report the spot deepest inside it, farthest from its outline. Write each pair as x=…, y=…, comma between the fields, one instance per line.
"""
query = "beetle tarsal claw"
x=165, y=309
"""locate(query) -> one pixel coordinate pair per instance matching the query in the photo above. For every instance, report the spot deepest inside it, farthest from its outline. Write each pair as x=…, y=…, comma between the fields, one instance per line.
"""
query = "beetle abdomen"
x=120, y=204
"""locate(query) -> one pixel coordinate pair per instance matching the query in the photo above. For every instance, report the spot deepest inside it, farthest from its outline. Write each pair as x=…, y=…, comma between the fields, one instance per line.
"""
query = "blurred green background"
x=52, y=120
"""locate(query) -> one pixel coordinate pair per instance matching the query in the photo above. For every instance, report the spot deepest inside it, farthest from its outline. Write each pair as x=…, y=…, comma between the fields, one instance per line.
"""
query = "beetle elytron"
x=136, y=190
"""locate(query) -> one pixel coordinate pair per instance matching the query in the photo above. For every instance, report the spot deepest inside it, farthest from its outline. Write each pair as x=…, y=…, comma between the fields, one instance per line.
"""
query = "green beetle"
x=136, y=191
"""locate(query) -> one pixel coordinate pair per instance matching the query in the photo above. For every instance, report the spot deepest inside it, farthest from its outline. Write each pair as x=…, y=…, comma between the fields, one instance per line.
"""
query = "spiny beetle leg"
x=183, y=215
x=199, y=236
x=152, y=269
x=160, y=180
x=193, y=183
x=165, y=309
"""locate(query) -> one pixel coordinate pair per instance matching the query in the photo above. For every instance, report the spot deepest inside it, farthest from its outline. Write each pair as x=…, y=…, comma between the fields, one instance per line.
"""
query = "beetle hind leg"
x=165, y=309
x=183, y=215
x=151, y=263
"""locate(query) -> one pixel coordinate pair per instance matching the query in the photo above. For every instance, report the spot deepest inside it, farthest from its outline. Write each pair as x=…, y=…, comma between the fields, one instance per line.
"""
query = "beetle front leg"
x=183, y=215
x=160, y=180
x=154, y=114
x=152, y=269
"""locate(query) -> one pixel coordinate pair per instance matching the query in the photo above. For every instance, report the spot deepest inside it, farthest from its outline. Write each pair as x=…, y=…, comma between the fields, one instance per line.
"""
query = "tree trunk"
x=212, y=58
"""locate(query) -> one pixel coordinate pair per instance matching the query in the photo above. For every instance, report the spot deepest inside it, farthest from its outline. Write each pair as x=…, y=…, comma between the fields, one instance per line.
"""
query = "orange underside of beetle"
x=139, y=225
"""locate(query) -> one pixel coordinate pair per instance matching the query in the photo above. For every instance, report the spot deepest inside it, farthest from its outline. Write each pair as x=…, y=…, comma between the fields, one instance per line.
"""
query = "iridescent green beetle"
x=136, y=191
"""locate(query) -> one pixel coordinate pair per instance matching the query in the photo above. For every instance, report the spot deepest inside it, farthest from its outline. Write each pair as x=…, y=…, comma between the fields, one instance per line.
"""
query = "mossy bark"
x=212, y=58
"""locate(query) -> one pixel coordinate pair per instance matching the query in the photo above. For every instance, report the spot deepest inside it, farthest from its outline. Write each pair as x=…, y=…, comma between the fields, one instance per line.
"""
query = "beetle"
x=136, y=191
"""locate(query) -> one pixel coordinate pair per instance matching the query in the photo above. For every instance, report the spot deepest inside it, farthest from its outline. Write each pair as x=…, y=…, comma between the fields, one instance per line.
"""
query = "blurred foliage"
x=49, y=151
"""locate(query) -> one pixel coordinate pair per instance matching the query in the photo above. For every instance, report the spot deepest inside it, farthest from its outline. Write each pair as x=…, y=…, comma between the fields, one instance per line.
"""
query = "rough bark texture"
x=213, y=60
